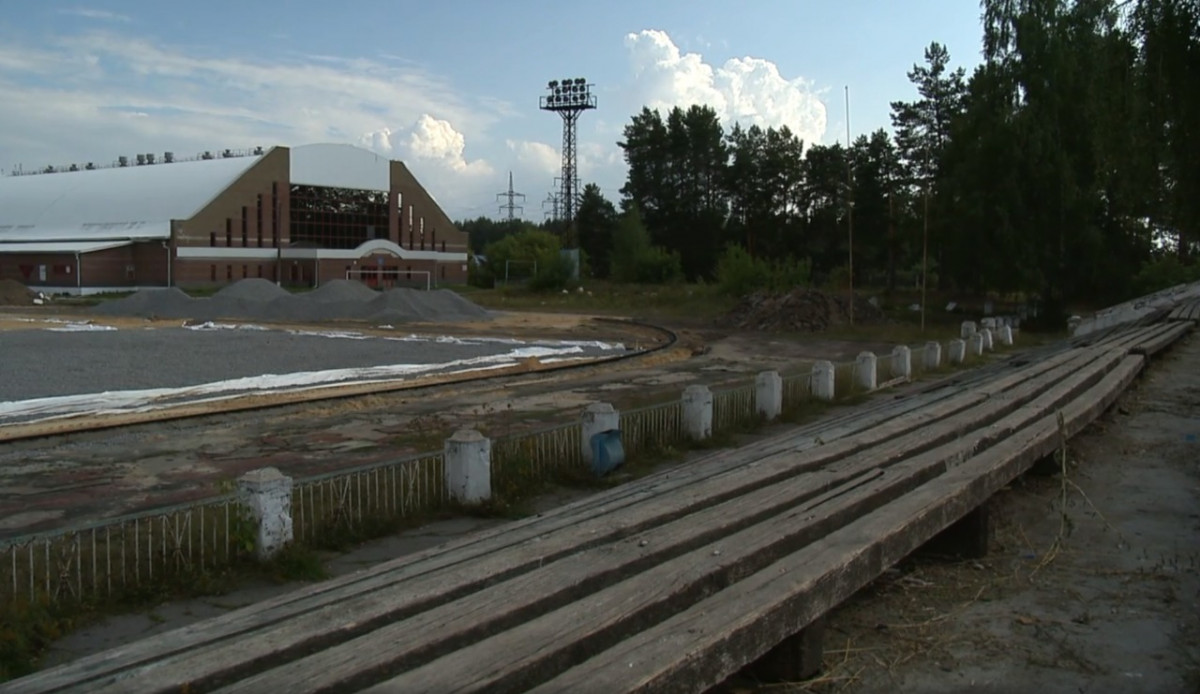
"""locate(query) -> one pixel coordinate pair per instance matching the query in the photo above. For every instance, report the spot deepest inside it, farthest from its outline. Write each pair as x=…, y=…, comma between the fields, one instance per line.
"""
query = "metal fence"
x=112, y=558
x=536, y=457
x=652, y=428
x=344, y=501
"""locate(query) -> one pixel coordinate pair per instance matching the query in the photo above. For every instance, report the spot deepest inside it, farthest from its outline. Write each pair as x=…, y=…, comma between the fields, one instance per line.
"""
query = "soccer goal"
x=387, y=278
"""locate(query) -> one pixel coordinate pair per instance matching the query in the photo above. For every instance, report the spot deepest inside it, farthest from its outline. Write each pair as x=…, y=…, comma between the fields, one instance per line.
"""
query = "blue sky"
x=450, y=87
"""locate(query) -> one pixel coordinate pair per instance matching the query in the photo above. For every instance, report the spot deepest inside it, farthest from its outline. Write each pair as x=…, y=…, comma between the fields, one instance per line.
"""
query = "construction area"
x=872, y=482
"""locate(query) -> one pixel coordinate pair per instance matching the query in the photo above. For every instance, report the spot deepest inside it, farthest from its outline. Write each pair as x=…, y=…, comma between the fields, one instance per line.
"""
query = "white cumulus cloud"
x=750, y=91
x=537, y=156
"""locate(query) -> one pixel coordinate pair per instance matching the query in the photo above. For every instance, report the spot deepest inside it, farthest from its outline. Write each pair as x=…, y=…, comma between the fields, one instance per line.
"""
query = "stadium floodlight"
x=568, y=97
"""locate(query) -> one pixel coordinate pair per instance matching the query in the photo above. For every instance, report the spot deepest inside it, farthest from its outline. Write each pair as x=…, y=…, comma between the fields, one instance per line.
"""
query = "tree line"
x=1066, y=166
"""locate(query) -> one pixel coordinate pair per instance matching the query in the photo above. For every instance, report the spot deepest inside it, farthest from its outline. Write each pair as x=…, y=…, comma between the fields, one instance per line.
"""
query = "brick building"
x=300, y=216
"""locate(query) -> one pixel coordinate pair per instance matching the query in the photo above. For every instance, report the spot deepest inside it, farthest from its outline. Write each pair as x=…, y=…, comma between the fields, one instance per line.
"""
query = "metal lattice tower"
x=551, y=201
x=568, y=98
x=512, y=208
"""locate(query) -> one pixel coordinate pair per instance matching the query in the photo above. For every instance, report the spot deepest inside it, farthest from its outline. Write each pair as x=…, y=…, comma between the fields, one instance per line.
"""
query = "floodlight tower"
x=568, y=98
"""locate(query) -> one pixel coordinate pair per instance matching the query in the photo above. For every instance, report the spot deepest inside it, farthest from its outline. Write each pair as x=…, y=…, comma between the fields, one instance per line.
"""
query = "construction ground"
x=1092, y=582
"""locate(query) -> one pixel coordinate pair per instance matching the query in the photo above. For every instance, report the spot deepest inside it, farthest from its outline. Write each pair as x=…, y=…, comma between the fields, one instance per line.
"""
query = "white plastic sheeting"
x=133, y=202
x=60, y=246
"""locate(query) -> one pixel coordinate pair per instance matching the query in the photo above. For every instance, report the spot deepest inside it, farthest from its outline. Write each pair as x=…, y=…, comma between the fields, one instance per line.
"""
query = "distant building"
x=299, y=216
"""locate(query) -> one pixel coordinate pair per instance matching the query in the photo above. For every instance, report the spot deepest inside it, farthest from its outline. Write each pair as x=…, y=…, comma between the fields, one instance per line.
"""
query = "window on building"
x=212, y=238
x=258, y=221
x=443, y=245
x=228, y=272
x=212, y=273
x=336, y=217
x=421, y=232
x=259, y=271
x=245, y=215
x=228, y=232
x=433, y=238
x=245, y=274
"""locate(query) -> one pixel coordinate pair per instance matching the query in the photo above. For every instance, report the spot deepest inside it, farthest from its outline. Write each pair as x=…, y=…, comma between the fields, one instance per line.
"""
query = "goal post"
x=387, y=278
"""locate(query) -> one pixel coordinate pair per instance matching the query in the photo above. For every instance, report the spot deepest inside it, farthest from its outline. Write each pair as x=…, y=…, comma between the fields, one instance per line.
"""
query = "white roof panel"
x=340, y=166
x=133, y=202
x=61, y=246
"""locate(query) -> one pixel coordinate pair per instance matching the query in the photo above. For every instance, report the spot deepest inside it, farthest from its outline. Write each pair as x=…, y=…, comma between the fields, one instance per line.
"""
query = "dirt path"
x=1100, y=594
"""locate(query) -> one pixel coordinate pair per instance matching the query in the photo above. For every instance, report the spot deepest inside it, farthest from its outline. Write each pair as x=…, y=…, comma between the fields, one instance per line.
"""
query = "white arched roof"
x=340, y=166
x=133, y=202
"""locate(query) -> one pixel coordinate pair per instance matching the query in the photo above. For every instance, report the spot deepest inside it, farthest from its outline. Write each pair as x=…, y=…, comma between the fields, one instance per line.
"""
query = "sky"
x=450, y=87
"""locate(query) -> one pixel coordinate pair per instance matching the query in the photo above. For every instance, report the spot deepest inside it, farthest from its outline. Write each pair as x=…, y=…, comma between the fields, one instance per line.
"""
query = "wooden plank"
x=359, y=611
x=531, y=651
x=700, y=647
x=1163, y=340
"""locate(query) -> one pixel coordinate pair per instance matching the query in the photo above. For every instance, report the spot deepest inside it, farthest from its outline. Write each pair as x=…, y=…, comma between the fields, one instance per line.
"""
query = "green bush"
x=739, y=273
x=633, y=259
x=1163, y=273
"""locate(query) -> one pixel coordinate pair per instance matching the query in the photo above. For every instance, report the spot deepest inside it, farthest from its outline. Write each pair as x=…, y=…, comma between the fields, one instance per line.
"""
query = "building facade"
x=298, y=216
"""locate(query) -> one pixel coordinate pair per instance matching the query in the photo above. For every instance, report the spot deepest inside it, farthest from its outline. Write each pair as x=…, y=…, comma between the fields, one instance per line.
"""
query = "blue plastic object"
x=608, y=453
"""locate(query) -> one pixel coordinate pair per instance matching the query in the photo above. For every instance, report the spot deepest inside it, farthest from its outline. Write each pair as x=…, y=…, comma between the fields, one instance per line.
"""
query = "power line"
x=512, y=208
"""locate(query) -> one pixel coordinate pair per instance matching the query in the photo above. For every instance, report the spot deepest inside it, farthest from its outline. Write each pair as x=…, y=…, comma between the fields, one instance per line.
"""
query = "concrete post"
x=1006, y=336
x=864, y=371
x=266, y=494
x=597, y=417
x=901, y=362
x=958, y=351
x=468, y=464
x=822, y=380
x=768, y=394
x=968, y=329
x=933, y=355
x=987, y=339
x=975, y=346
x=697, y=412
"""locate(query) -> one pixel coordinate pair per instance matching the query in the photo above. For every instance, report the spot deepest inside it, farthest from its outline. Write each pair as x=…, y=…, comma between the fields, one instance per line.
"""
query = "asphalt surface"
x=44, y=363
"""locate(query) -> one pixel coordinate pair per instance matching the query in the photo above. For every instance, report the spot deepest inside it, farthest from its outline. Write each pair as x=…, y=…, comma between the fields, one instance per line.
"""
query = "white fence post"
x=864, y=371
x=468, y=464
x=768, y=394
x=987, y=339
x=1006, y=336
x=697, y=412
x=267, y=494
x=976, y=345
x=958, y=351
x=933, y=355
x=901, y=362
x=597, y=417
x=968, y=329
x=822, y=380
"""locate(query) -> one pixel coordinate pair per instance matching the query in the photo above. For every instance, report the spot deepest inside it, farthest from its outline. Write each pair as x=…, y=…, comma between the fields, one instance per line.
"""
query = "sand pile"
x=13, y=293
x=800, y=310
x=262, y=300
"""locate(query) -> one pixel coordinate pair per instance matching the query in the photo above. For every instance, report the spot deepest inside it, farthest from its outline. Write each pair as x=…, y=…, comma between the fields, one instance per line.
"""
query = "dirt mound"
x=339, y=291
x=253, y=289
x=800, y=310
x=13, y=293
x=261, y=300
x=155, y=303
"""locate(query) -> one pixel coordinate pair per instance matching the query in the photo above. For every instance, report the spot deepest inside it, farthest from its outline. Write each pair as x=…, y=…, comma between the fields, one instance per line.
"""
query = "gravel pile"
x=800, y=310
x=13, y=293
x=262, y=300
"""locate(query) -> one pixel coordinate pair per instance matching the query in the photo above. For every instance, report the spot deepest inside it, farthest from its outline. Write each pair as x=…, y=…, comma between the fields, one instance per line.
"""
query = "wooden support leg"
x=796, y=658
x=966, y=539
